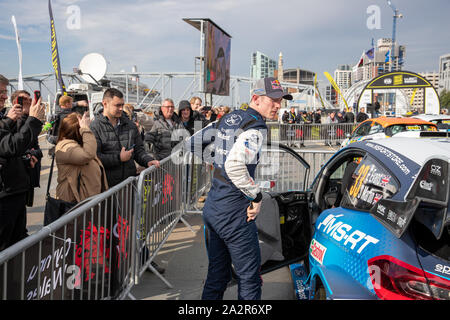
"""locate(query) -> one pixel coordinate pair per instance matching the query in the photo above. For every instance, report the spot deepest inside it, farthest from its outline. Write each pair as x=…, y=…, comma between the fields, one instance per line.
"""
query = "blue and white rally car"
x=375, y=223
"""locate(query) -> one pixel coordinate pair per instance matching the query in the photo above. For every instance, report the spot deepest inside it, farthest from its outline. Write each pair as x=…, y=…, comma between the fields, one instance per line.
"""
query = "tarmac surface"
x=186, y=263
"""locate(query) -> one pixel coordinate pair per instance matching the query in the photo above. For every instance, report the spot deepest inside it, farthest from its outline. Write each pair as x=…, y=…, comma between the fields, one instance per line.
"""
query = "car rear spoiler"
x=431, y=188
x=436, y=134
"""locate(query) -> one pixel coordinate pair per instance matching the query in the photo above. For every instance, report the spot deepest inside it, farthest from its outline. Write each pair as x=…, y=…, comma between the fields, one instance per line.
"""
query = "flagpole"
x=55, y=54
x=19, y=52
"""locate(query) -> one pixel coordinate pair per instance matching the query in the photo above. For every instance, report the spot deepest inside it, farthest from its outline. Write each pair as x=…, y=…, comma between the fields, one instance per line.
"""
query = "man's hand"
x=15, y=112
x=33, y=161
x=153, y=163
x=253, y=210
x=84, y=121
x=37, y=110
x=126, y=155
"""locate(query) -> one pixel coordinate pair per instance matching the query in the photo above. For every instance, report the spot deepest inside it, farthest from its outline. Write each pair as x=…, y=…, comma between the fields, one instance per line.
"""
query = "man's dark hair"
x=112, y=92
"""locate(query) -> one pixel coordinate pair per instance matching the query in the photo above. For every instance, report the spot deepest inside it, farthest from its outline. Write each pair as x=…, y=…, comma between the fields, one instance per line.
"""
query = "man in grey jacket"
x=165, y=131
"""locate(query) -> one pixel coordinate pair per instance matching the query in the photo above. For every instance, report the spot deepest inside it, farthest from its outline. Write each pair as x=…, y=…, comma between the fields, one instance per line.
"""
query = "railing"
x=298, y=134
x=100, y=249
x=86, y=254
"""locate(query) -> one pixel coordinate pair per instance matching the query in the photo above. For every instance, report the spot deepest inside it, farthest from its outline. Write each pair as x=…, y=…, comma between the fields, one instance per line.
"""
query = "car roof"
x=424, y=148
x=388, y=121
x=430, y=117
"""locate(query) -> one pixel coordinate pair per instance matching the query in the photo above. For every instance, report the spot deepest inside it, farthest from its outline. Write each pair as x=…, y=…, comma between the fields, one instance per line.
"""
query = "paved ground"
x=184, y=258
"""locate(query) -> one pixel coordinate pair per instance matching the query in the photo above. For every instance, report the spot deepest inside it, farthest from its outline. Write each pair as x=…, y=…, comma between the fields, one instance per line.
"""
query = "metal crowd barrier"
x=101, y=248
x=87, y=254
x=298, y=134
x=279, y=171
x=160, y=194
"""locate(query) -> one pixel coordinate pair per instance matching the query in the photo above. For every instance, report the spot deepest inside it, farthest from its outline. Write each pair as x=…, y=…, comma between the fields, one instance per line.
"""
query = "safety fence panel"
x=297, y=134
x=161, y=195
x=85, y=255
x=198, y=179
x=279, y=171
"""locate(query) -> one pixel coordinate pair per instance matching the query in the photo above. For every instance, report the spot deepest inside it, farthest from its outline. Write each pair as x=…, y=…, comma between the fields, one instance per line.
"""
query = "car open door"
x=284, y=226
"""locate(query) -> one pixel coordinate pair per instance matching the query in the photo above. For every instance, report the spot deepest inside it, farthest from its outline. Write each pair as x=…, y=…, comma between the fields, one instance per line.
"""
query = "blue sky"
x=314, y=35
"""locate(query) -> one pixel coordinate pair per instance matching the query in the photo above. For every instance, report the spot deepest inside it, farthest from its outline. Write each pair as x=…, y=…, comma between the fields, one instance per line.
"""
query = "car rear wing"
x=434, y=134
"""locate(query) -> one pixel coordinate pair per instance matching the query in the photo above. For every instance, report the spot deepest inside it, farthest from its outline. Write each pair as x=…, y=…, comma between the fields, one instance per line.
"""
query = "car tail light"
x=394, y=279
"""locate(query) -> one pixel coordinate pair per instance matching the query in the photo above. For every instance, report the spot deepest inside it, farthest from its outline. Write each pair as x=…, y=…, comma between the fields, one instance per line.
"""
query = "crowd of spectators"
x=319, y=117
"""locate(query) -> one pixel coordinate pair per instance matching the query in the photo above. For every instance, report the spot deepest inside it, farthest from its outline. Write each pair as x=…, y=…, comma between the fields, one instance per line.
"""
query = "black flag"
x=55, y=55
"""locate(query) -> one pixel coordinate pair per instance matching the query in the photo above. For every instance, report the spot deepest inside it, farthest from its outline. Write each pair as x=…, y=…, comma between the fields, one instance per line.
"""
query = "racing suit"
x=231, y=239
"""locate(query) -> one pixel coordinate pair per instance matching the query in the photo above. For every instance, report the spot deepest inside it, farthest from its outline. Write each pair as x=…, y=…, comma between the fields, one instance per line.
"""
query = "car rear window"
x=370, y=182
x=396, y=128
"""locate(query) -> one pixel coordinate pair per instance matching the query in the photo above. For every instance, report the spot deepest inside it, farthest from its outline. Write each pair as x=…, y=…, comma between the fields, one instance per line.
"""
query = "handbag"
x=55, y=208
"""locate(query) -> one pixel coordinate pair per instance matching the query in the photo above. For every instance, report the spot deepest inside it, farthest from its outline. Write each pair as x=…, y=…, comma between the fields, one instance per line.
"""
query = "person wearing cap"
x=234, y=199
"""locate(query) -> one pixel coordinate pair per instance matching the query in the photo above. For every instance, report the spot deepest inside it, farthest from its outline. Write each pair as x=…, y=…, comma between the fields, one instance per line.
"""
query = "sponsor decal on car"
x=317, y=251
x=340, y=231
x=442, y=269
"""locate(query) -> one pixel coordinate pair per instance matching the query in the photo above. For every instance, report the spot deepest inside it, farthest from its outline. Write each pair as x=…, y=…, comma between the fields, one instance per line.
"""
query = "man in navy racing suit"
x=234, y=199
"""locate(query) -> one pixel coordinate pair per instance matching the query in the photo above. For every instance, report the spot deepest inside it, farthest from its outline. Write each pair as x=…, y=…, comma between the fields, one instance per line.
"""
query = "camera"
x=29, y=153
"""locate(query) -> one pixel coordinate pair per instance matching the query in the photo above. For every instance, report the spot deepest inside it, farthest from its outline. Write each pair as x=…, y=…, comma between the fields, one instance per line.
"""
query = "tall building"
x=444, y=73
x=418, y=101
x=378, y=60
x=343, y=78
x=262, y=66
x=331, y=95
x=280, y=67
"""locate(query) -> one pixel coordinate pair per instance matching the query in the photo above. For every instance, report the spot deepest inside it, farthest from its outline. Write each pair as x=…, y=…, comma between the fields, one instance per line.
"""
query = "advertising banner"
x=55, y=54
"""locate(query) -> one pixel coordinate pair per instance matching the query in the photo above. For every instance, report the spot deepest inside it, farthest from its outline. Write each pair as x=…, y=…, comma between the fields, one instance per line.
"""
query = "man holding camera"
x=17, y=133
x=33, y=155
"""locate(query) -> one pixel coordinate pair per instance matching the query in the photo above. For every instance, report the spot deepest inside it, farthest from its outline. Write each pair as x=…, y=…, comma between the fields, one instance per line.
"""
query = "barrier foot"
x=160, y=276
x=131, y=296
x=187, y=225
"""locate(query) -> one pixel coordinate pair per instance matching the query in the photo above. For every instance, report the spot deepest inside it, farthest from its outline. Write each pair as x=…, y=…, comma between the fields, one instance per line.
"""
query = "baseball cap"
x=270, y=87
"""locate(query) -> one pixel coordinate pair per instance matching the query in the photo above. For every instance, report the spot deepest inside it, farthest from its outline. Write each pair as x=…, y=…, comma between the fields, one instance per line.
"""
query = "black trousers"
x=13, y=220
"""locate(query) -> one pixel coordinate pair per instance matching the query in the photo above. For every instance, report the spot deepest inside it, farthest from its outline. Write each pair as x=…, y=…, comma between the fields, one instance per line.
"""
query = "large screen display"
x=217, y=60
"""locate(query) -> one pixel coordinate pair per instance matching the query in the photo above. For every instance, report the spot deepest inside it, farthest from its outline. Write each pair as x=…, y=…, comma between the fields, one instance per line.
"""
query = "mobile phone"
x=19, y=100
x=132, y=147
x=37, y=95
x=206, y=108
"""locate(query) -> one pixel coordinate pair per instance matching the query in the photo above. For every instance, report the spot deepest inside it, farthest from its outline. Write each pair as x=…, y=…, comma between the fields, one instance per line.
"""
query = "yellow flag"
x=335, y=86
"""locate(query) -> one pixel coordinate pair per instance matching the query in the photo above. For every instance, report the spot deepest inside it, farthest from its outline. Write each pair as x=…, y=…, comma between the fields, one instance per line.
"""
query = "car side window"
x=370, y=182
x=376, y=128
x=363, y=129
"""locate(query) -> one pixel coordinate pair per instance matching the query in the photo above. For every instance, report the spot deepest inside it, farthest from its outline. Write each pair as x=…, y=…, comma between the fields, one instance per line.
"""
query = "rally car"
x=442, y=121
x=384, y=127
x=374, y=224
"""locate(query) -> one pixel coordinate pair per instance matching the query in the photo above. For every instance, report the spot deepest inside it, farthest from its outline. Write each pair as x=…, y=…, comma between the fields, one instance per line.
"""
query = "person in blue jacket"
x=234, y=199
